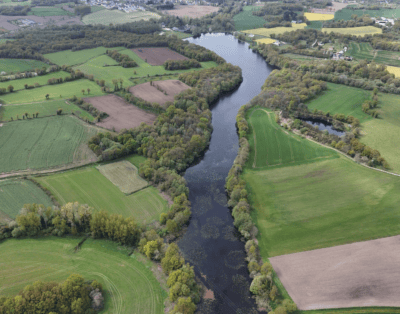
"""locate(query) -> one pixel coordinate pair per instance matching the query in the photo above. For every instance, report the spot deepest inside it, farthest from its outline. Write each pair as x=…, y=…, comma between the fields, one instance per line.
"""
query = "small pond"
x=325, y=126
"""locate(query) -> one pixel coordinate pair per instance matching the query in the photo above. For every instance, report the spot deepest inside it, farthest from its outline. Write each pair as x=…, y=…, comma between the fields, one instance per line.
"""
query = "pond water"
x=211, y=243
x=325, y=126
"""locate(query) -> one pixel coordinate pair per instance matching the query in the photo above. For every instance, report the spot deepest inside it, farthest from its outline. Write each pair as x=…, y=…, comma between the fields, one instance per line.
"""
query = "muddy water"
x=211, y=242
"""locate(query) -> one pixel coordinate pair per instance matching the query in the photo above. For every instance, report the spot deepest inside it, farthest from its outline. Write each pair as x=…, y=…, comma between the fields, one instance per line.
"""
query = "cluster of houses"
x=383, y=21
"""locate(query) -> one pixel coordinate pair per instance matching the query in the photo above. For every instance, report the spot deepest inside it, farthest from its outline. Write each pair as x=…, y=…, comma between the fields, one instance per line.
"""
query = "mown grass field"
x=16, y=193
x=267, y=32
x=364, y=51
x=275, y=147
x=129, y=284
x=44, y=143
x=123, y=175
x=318, y=16
x=49, y=11
x=246, y=20
x=322, y=204
x=41, y=80
x=106, y=17
x=342, y=99
x=346, y=13
x=20, y=65
x=58, y=91
x=45, y=109
x=89, y=186
x=356, y=31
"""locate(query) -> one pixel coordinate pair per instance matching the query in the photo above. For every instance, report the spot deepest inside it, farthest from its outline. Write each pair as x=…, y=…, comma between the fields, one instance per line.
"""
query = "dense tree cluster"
x=83, y=10
x=181, y=64
x=89, y=108
x=71, y=296
x=14, y=10
x=193, y=51
x=123, y=60
x=142, y=27
x=355, y=21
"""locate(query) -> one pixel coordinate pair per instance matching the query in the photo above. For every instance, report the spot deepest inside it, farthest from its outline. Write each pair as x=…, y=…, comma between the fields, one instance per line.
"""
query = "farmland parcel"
x=157, y=56
x=193, y=11
x=106, y=17
x=356, y=31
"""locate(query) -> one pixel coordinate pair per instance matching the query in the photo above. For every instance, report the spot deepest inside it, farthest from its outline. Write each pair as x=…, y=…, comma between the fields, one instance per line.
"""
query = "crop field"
x=336, y=277
x=346, y=13
x=123, y=175
x=45, y=109
x=43, y=143
x=20, y=65
x=49, y=11
x=121, y=114
x=193, y=11
x=152, y=94
x=267, y=32
x=11, y=3
x=266, y=41
x=41, y=80
x=363, y=51
x=394, y=70
x=246, y=20
x=319, y=16
x=106, y=17
x=89, y=186
x=157, y=56
x=16, y=193
x=129, y=284
x=275, y=147
x=58, y=91
x=315, y=25
x=342, y=99
x=356, y=31
x=321, y=204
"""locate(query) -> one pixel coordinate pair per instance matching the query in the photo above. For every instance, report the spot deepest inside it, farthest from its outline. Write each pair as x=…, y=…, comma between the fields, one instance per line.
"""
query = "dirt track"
x=157, y=56
x=352, y=275
x=121, y=114
x=152, y=94
x=191, y=10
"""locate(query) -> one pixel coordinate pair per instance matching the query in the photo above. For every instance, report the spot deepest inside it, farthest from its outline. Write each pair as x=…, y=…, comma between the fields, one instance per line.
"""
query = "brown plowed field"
x=191, y=10
x=122, y=115
x=151, y=94
x=157, y=56
x=353, y=275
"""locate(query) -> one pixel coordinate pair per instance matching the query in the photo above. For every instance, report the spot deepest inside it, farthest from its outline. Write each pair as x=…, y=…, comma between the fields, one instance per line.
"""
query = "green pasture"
x=342, y=99
x=58, y=91
x=89, y=186
x=129, y=284
x=45, y=109
x=346, y=13
x=20, y=65
x=107, y=17
x=315, y=25
x=16, y=193
x=180, y=35
x=97, y=8
x=322, y=204
x=68, y=57
x=41, y=80
x=276, y=147
x=44, y=142
x=246, y=20
x=364, y=51
x=49, y=11
x=12, y=3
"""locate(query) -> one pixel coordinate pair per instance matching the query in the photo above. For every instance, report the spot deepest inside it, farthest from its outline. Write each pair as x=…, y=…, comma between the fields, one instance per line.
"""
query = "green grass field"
x=46, y=11
x=129, y=284
x=275, y=147
x=315, y=25
x=342, y=99
x=89, y=186
x=20, y=65
x=107, y=17
x=59, y=91
x=246, y=20
x=45, y=109
x=345, y=14
x=44, y=143
x=16, y=193
x=364, y=51
x=41, y=80
x=11, y=3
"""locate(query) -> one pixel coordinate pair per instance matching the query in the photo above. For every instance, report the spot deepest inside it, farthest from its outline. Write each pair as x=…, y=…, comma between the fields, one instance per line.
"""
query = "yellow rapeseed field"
x=319, y=16
x=266, y=32
x=266, y=41
x=357, y=31
x=393, y=70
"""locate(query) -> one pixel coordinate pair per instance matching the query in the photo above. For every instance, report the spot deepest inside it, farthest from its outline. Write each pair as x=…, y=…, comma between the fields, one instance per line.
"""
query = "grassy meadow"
x=12, y=3
x=129, y=284
x=275, y=147
x=267, y=32
x=49, y=11
x=43, y=143
x=342, y=99
x=20, y=65
x=16, y=193
x=246, y=20
x=45, y=109
x=107, y=17
x=356, y=31
x=89, y=186
x=346, y=13
x=364, y=51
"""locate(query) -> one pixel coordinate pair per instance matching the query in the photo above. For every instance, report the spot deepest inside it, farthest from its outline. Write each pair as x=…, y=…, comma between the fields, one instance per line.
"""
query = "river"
x=211, y=243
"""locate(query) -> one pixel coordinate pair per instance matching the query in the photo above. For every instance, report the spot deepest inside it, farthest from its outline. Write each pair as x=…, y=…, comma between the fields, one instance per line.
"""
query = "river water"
x=211, y=243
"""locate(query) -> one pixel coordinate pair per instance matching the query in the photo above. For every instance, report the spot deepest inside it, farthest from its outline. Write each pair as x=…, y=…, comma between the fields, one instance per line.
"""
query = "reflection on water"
x=323, y=127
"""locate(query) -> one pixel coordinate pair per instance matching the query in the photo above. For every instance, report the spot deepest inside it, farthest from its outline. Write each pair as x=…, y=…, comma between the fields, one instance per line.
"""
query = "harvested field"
x=157, y=56
x=152, y=94
x=123, y=175
x=336, y=6
x=42, y=21
x=193, y=11
x=122, y=115
x=352, y=275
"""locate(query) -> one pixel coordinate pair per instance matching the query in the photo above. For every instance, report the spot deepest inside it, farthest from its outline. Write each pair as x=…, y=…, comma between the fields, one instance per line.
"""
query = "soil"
x=42, y=21
x=352, y=275
x=152, y=94
x=157, y=56
x=336, y=6
x=122, y=115
x=191, y=10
